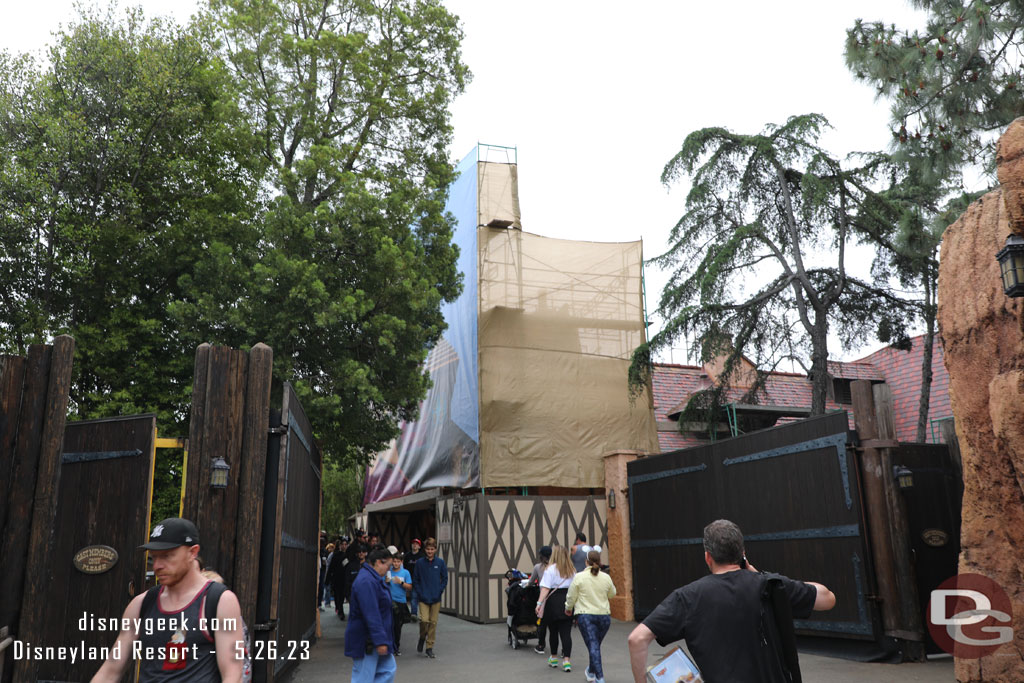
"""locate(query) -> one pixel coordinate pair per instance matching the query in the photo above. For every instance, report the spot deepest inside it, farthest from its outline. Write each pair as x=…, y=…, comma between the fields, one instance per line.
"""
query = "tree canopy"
x=952, y=85
x=350, y=103
x=275, y=171
x=759, y=259
x=125, y=165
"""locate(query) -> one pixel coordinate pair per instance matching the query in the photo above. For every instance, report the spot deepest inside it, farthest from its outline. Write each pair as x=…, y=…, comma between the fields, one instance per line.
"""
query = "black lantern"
x=219, y=474
x=1011, y=265
x=611, y=498
x=903, y=476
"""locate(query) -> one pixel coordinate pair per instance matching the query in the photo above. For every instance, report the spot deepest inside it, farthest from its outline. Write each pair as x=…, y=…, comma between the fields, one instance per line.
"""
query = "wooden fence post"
x=911, y=623
x=38, y=414
x=230, y=417
x=876, y=504
x=252, y=478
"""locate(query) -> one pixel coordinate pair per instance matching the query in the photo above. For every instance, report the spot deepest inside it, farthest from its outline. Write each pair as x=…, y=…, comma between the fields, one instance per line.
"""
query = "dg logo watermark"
x=970, y=616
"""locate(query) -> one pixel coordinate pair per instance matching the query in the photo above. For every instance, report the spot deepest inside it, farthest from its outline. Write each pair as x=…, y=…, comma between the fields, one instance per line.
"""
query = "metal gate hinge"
x=266, y=626
x=277, y=430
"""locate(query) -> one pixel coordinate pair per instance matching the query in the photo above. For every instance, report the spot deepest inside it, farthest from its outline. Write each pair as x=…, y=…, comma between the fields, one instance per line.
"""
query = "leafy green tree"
x=759, y=259
x=127, y=168
x=343, y=497
x=350, y=103
x=905, y=222
x=125, y=164
x=952, y=85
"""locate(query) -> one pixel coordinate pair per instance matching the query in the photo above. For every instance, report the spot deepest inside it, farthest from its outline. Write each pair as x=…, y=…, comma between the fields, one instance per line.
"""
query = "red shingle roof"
x=901, y=370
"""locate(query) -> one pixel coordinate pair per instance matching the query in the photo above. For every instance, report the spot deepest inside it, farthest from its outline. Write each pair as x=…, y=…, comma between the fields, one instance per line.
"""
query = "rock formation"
x=983, y=335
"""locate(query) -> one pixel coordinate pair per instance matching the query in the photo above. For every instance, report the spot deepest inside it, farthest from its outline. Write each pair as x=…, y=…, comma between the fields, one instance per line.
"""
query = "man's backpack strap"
x=213, y=594
x=776, y=609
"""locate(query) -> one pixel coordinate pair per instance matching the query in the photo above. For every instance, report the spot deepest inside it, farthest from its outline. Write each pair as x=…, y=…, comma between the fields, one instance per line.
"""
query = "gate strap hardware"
x=277, y=430
x=879, y=443
x=266, y=626
x=906, y=635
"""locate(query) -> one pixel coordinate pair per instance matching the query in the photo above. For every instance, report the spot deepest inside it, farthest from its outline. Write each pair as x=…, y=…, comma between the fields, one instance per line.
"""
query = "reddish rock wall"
x=983, y=334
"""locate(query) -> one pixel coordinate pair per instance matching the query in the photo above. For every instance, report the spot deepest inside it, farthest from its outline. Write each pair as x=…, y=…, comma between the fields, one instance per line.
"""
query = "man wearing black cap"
x=170, y=633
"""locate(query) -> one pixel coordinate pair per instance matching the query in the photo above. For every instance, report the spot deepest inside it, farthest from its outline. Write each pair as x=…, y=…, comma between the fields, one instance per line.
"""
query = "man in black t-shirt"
x=719, y=615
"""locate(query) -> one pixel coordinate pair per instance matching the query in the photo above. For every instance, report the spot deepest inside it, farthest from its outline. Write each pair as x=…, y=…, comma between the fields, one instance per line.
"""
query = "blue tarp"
x=442, y=448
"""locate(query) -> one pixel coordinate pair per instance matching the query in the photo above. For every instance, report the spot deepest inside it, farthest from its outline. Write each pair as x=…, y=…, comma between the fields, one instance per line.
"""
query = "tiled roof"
x=901, y=370
x=674, y=383
x=857, y=369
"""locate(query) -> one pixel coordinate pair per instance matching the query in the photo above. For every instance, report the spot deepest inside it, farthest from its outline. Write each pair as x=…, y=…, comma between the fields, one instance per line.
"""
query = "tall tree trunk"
x=926, y=360
x=819, y=364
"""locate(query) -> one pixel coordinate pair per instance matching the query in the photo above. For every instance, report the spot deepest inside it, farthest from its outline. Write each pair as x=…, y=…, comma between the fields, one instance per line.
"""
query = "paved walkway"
x=475, y=652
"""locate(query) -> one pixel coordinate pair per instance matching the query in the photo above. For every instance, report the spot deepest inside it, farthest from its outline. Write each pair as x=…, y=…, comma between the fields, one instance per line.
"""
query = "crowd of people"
x=721, y=616
x=737, y=622
x=385, y=589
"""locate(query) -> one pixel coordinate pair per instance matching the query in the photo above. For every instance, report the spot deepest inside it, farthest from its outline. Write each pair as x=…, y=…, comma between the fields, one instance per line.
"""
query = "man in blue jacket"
x=429, y=580
x=368, y=637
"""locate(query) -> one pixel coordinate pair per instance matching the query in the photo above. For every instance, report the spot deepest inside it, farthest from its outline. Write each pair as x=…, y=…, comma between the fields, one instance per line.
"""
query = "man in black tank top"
x=170, y=633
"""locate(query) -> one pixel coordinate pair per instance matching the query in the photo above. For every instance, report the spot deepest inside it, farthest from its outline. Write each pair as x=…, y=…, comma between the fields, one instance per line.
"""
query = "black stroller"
x=522, y=603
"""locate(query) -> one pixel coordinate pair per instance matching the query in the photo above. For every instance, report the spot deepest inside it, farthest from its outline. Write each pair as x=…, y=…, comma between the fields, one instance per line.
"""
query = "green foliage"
x=952, y=85
x=275, y=171
x=758, y=260
x=350, y=104
x=125, y=165
x=343, y=491
x=167, y=476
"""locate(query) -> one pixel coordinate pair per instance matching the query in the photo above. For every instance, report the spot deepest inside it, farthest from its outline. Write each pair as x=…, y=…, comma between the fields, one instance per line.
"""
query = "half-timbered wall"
x=482, y=537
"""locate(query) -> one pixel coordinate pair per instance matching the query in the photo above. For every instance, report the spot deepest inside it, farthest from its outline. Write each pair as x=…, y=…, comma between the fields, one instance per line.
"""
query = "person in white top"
x=554, y=586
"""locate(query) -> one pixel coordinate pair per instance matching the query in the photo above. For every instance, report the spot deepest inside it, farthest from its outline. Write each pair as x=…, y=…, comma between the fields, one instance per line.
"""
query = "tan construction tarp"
x=498, y=199
x=558, y=322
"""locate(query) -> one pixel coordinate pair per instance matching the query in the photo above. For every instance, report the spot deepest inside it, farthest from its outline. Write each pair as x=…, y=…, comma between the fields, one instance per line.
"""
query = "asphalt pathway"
x=480, y=652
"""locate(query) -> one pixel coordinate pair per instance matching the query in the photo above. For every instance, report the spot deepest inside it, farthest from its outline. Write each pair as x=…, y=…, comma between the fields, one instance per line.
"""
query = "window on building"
x=841, y=388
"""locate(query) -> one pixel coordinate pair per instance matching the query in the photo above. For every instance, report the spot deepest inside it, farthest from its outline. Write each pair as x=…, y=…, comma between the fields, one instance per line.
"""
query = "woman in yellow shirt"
x=590, y=593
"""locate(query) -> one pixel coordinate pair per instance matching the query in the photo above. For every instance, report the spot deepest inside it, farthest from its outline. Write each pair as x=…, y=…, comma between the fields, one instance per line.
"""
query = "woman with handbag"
x=554, y=586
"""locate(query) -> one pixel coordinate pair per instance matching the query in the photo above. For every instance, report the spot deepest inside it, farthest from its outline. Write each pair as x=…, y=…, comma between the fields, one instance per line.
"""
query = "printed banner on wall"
x=442, y=447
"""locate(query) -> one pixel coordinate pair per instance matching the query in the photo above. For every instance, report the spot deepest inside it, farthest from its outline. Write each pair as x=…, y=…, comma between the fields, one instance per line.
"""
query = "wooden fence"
x=230, y=414
x=261, y=532
x=33, y=412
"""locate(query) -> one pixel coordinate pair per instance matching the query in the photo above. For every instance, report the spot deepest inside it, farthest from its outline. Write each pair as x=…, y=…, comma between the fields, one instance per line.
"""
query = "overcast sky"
x=597, y=96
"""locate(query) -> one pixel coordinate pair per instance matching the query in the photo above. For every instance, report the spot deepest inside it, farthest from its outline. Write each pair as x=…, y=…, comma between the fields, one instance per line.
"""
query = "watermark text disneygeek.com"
x=151, y=625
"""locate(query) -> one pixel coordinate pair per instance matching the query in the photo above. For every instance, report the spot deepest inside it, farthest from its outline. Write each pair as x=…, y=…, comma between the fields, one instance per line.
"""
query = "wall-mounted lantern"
x=219, y=473
x=1011, y=265
x=611, y=499
x=904, y=477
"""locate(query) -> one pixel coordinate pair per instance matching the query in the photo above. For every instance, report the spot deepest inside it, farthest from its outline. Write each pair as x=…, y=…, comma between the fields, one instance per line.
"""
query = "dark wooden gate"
x=933, y=518
x=794, y=492
x=286, y=607
x=105, y=492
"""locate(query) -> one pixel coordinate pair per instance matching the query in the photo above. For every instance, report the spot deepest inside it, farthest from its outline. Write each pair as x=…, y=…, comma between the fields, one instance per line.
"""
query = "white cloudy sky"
x=598, y=95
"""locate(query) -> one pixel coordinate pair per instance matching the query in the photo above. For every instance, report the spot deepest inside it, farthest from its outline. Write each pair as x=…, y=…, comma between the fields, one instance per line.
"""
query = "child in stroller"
x=522, y=603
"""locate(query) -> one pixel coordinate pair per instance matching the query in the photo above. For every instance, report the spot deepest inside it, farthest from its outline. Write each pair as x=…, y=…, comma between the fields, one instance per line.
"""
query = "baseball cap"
x=545, y=551
x=417, y=541
x=171, y=533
